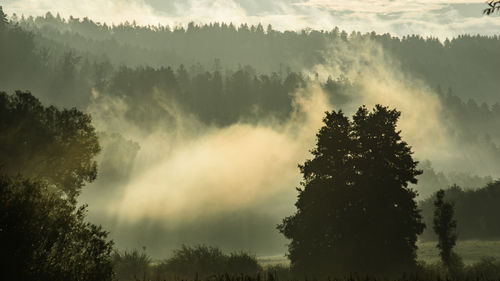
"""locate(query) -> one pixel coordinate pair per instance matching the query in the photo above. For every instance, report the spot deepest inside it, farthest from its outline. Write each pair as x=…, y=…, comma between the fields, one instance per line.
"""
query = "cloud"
x=383, y=6
x=192, y=183
x=436, y=18
x=110, y=11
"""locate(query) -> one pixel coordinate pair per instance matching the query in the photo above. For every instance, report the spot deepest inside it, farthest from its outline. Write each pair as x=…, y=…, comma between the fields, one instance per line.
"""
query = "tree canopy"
x=45, y=237
x=46, y=143
x=355, y=204
x=47, y=156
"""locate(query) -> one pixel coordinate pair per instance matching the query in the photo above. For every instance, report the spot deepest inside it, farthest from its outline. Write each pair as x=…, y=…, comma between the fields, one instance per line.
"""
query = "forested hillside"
x=223, y=74
x=224, y=45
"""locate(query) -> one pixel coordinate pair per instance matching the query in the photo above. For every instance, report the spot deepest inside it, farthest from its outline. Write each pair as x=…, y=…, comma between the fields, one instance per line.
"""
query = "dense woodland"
x=219, y=94
x=475, y=211
x=267, y=50
x=223, y=74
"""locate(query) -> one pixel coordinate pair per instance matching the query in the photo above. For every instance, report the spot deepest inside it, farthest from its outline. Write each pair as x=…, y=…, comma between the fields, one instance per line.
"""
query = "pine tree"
x=3, y=19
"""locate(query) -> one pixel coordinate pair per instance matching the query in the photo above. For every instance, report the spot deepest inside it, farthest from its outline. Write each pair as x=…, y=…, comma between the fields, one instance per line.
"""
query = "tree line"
x=475, y=211
x=269, y=50
x=214, y=94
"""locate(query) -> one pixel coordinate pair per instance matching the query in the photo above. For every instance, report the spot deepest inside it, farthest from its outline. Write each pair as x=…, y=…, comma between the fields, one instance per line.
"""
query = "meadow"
x=471, y=251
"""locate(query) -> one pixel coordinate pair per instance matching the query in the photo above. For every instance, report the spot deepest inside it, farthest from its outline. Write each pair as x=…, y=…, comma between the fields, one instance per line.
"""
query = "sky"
x=437, y=18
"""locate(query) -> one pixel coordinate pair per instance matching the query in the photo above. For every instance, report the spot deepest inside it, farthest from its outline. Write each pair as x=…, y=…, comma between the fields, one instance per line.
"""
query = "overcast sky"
x=438, y=18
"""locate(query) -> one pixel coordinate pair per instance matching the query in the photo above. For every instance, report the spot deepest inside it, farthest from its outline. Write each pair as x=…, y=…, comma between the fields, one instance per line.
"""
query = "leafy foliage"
x=131, y=266
x=493, y=5
x=45, y=237
x=204, y=261
x=355, y=202
x=47, y=156
x=46, y=143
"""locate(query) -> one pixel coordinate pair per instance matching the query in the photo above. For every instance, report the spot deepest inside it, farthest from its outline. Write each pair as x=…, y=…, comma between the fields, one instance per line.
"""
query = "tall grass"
x=211, y=264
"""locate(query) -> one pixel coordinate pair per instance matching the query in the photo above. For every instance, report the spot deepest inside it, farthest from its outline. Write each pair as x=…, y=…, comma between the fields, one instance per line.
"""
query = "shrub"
x=203, y=261
x=131, y=266
x=488, y=268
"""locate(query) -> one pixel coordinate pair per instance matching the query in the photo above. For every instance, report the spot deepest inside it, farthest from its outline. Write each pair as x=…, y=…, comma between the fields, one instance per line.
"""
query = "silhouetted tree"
x=355, y=211
x=445, y=227
x=3, y=19
x=493, y=5
x=202, y=261
x=45, y=237
x=55, y=145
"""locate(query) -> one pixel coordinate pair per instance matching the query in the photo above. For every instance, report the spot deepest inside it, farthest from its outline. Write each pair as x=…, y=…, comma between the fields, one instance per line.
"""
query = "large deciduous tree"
x=57, y=146
x=46, y=157
x=355, y=210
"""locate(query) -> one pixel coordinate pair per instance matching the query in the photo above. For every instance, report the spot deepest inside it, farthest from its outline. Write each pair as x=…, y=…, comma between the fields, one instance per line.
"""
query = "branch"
x=493, y=5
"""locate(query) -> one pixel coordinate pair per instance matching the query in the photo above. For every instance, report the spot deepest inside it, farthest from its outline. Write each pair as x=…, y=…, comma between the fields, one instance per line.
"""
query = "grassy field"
x=471, y=251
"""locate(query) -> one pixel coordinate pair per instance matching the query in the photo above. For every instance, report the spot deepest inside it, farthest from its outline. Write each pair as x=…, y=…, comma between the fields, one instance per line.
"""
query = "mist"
x=205, y=116
x=188, y=174
x=190, y=182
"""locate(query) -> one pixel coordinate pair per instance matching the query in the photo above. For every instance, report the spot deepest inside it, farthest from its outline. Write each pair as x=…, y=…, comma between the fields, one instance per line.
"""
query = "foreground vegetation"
x=471, y=252
x=186, y=263
x=203, y=264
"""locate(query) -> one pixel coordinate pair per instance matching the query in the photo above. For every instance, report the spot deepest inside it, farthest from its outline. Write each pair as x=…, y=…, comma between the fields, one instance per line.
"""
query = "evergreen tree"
x=355, y=211
x=3, y=19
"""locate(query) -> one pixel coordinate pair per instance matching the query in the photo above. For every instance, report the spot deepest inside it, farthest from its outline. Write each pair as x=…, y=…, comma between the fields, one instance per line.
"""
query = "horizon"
x=427, y=18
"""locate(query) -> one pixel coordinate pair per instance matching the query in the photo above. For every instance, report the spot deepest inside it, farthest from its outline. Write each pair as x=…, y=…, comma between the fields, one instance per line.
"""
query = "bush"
x=203, y=261
x=242, y=263
x=488, y=268
x=131, y=266
x=279, y=272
